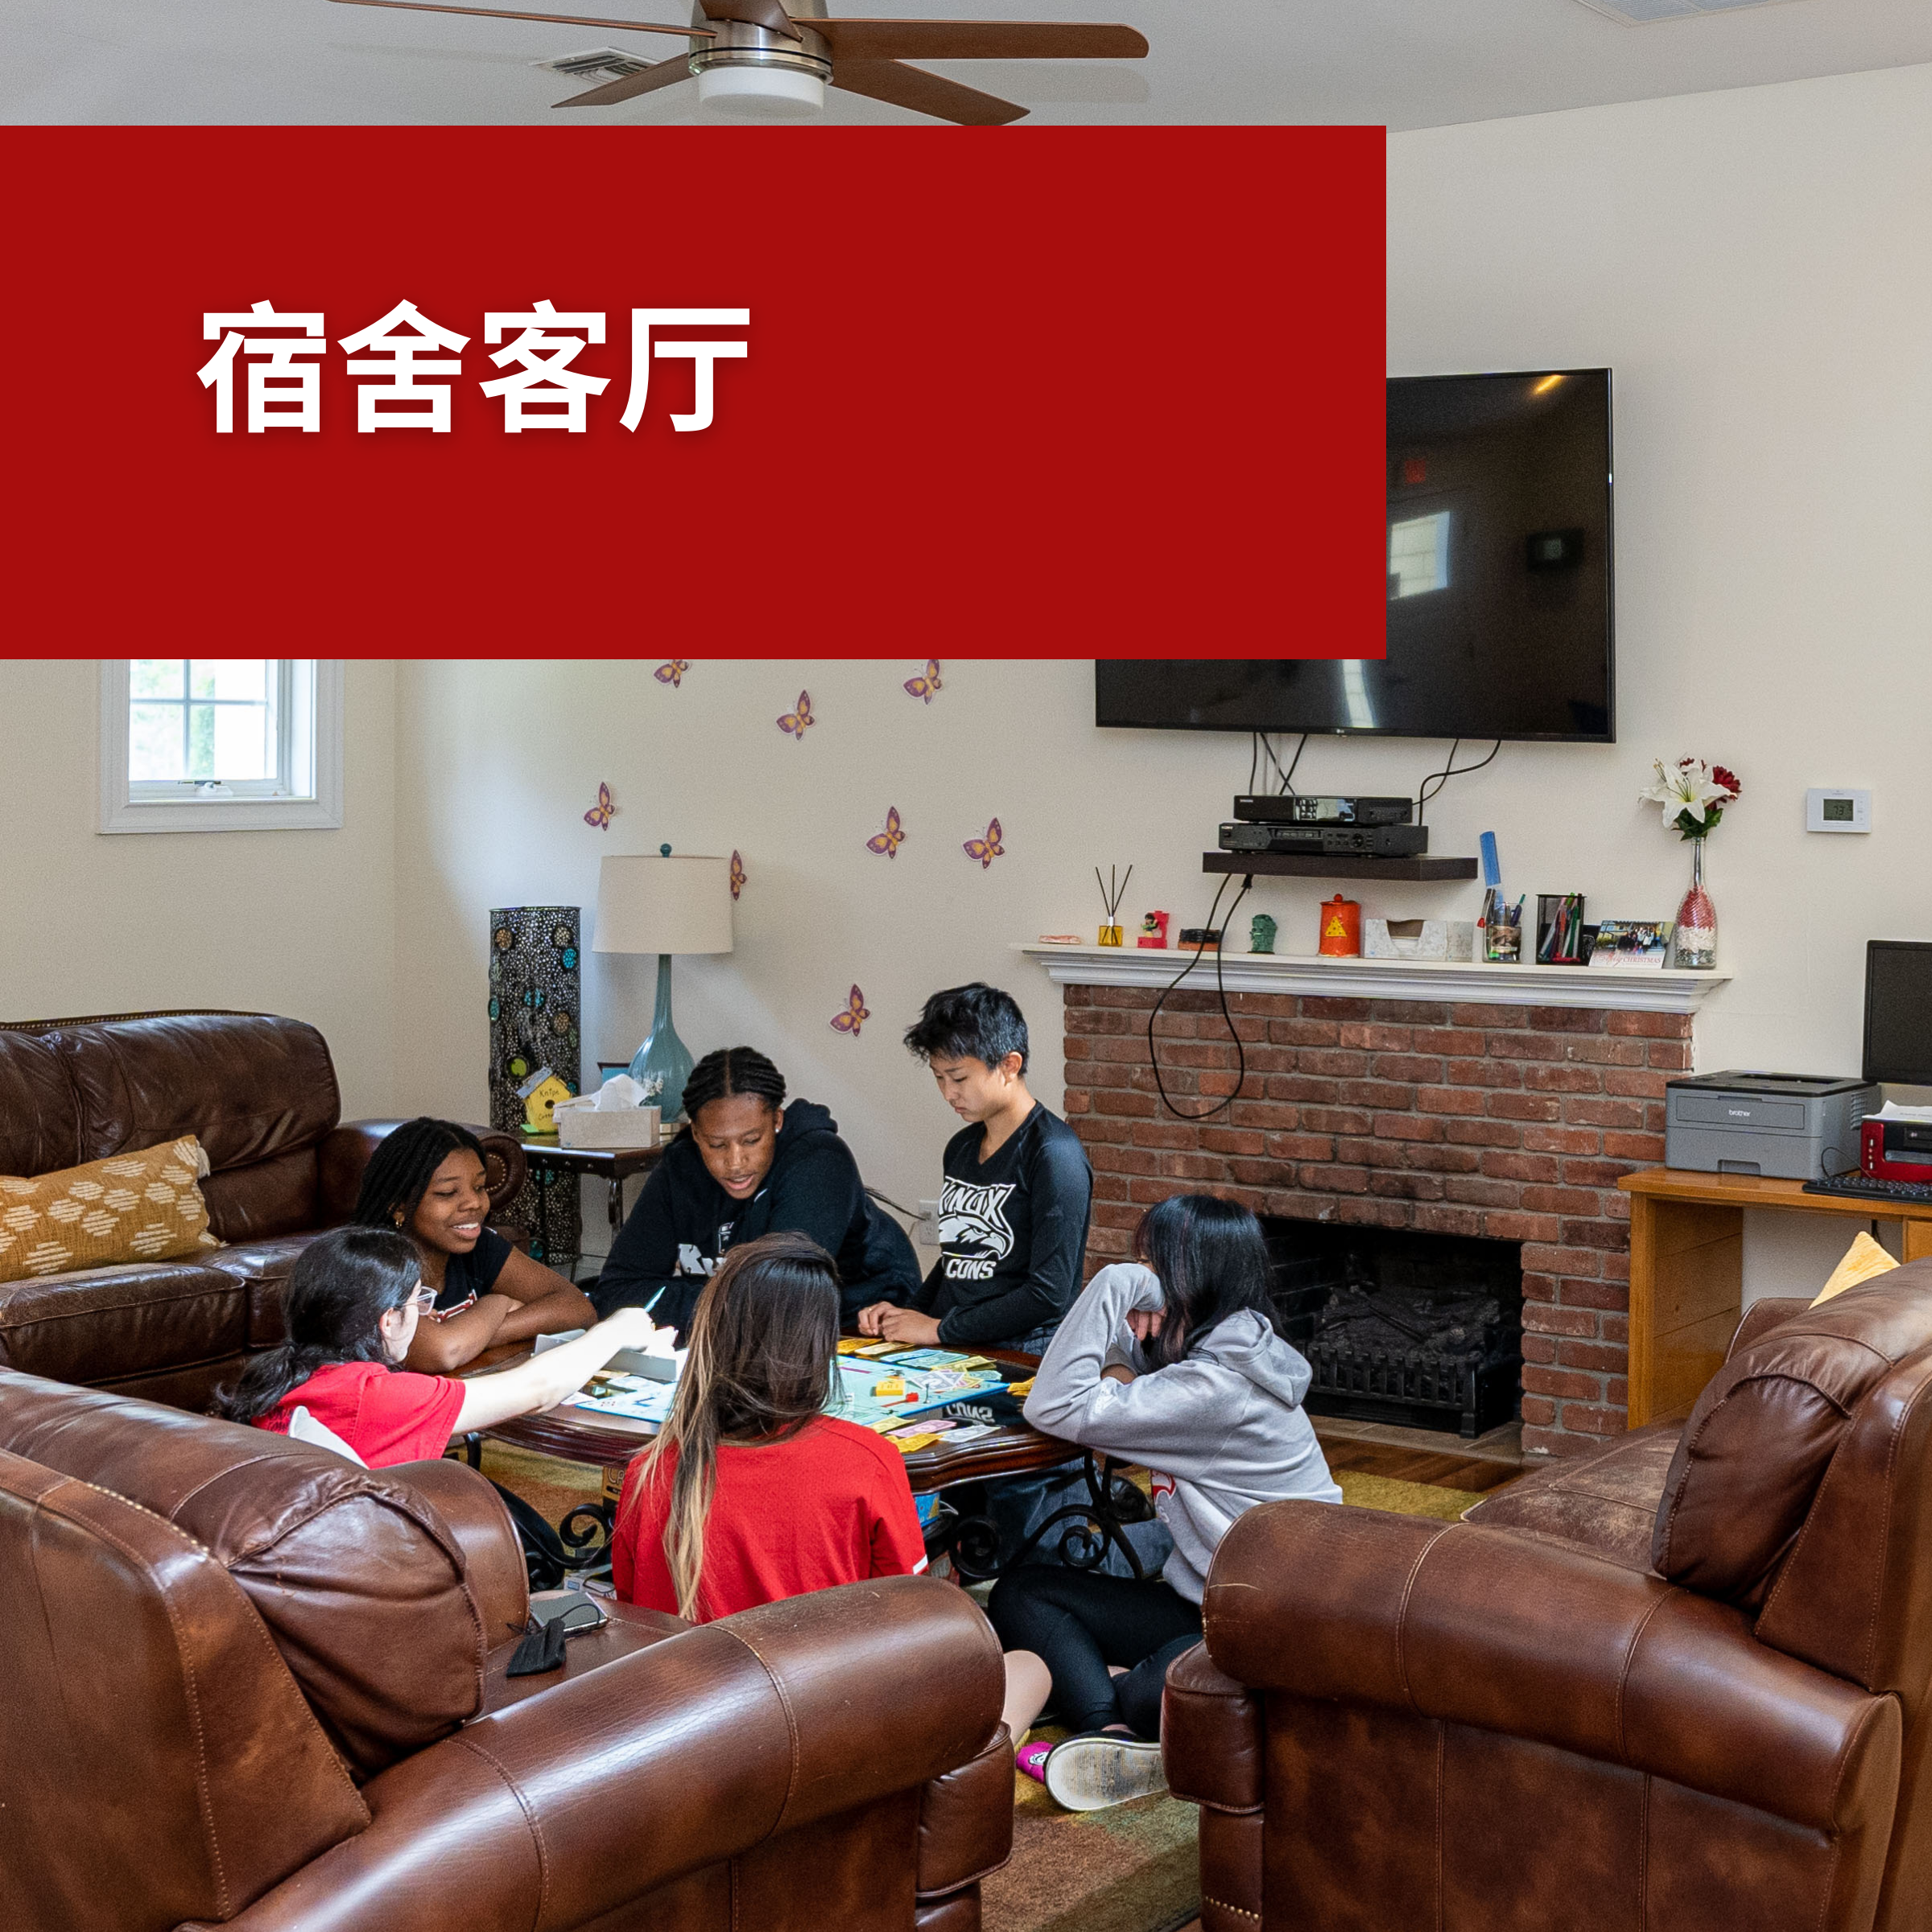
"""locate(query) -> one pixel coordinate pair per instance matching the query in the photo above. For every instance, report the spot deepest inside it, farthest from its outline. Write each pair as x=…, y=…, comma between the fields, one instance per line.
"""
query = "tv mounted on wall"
x=1500, y=607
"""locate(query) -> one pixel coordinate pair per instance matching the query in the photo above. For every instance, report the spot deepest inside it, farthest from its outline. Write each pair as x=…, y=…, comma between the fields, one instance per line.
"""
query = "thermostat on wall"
x=1830, y=808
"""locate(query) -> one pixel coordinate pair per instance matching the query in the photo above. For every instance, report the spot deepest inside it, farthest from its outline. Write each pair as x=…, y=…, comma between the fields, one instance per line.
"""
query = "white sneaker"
x=1101, y=1768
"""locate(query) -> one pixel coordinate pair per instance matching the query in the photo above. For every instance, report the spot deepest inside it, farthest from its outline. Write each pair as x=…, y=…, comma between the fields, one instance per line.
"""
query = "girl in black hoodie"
x=748, y=1165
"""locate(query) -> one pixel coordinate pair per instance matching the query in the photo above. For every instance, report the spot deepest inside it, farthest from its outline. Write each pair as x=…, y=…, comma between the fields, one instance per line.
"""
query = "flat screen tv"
x=1499, y=611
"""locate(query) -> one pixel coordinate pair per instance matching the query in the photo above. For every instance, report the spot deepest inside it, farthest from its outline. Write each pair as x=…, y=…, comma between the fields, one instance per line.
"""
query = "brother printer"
x=1793, y=1126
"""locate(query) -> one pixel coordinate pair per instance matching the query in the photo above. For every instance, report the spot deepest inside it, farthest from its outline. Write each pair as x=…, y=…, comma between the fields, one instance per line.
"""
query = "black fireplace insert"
x=1421, y=1330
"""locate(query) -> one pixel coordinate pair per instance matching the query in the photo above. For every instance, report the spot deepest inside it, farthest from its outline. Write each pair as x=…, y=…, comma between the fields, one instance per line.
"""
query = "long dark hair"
x=342, y=1286
x=402, y=1167
x=733, y=1070
x=764, y=1337
x=1212, y=1262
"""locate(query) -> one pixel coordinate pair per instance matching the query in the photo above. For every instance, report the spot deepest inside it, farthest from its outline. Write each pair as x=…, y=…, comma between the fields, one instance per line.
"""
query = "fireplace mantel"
x=1633, y=989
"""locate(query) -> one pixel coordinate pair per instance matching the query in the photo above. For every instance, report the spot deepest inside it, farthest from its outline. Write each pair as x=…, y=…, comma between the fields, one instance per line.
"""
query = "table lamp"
x=663, y=903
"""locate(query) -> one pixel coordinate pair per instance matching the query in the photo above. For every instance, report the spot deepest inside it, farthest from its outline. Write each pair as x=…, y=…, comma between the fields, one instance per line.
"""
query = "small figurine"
x=1260, y=933
x=1154, y=930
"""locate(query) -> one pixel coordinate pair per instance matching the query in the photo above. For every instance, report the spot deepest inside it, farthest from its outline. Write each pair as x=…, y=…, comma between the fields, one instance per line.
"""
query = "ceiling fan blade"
x=767, y=14
x=977, y=40
x=665, y=73
x=499, y=13
x=923, y=93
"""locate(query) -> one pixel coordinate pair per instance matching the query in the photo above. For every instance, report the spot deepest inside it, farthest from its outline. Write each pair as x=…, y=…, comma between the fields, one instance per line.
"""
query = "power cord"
x=1431, y=786
x=1287, y=777
x=1241, y=1052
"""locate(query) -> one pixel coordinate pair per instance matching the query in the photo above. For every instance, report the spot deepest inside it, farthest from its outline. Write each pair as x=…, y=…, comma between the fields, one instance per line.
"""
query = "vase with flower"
x=1694, y=794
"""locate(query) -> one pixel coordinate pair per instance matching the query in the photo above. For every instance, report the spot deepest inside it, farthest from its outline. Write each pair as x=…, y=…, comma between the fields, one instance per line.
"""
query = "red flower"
x=1728, y=779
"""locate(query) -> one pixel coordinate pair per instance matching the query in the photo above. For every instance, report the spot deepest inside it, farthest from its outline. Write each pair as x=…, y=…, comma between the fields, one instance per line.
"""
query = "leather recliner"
x=260, y=1094
x=250, y=1684
x=1678, y=1685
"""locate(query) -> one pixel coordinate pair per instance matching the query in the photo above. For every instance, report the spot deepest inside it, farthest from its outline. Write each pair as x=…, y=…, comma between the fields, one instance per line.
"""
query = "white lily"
x=1687, y=787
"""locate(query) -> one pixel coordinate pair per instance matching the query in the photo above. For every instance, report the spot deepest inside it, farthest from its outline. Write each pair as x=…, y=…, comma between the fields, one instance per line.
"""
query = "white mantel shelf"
x=1626, y=989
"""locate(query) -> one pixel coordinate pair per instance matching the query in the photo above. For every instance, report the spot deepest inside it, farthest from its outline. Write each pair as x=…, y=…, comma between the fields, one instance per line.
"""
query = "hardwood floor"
x=1420, y=1455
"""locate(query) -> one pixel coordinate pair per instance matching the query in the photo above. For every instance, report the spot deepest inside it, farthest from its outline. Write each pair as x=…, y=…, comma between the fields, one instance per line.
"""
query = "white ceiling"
x=1406, y=64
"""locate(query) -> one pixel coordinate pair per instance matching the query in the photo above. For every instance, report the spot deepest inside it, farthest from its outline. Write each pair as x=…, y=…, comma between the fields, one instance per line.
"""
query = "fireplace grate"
x=1422, y=1330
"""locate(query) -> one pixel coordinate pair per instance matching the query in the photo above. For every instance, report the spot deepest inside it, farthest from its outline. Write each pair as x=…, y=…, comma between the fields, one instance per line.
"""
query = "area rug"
x=1130, y=1868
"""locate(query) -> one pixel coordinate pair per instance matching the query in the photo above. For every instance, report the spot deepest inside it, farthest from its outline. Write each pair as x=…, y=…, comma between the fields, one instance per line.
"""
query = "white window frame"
x=313, y=759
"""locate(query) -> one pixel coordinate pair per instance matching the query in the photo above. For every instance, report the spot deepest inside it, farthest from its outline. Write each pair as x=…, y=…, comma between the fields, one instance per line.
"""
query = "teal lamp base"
x=664, y=1057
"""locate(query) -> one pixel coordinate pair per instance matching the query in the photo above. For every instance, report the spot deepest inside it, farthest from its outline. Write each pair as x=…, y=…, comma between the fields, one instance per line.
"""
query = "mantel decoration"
x=1693, y=795
x=1113, y=890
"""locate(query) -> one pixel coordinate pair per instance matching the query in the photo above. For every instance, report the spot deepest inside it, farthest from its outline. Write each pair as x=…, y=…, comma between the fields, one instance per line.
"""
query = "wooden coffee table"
x=609, y=1443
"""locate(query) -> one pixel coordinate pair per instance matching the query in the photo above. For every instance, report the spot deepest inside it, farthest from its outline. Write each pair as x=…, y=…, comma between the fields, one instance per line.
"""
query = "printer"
x=1794, y=1126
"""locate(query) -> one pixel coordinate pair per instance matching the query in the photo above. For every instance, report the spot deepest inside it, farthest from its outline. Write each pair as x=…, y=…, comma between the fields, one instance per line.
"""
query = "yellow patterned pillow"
x=143, y=1207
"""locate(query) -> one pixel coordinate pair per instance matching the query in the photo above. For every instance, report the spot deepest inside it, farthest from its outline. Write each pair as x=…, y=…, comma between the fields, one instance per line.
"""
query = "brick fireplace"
x=1506, y=1122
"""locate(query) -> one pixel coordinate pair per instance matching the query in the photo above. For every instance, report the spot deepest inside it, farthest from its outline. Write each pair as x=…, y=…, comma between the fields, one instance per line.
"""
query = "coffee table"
x=609, y=1443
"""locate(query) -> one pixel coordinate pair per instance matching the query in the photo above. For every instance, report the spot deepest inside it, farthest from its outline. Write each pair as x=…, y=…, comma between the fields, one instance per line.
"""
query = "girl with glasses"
x=352, y=1307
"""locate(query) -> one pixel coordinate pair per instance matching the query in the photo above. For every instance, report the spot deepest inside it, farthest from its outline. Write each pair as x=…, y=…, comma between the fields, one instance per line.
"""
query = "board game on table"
x=903, y=1393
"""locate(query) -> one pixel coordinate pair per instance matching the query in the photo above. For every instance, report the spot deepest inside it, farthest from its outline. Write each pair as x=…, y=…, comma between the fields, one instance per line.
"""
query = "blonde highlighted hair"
x=763, y=1340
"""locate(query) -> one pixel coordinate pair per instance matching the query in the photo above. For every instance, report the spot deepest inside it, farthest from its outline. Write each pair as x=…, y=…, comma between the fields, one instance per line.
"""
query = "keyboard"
x=1869, y=1187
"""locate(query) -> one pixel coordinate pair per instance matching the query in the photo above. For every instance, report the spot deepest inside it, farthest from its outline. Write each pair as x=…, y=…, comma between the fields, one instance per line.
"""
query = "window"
x=221, y=744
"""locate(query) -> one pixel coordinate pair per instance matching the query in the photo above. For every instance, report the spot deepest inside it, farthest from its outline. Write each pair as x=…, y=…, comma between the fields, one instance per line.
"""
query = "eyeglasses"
x=423, y=1300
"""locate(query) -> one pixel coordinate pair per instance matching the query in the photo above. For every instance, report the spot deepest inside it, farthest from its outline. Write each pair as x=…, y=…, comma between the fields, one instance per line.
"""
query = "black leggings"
x=1079, y=1624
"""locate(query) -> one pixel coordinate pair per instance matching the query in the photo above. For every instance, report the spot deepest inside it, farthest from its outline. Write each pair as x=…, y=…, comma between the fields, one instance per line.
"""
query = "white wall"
x=297, y=922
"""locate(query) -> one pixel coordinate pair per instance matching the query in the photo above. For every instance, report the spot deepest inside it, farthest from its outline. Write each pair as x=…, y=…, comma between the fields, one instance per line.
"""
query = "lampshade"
x=647, y=903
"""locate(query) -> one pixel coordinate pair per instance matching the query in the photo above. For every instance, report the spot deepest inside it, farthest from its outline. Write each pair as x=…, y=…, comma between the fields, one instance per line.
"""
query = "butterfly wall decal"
x=673, y=673
x=737, y=875
x=987, y=849
x=856, y=1013
x=796, y=721
x=892, y=838
x=599, y=813
x=922, y=687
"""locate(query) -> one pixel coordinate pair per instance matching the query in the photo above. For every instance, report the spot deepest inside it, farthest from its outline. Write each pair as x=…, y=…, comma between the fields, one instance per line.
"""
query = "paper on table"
x=1892, y=1111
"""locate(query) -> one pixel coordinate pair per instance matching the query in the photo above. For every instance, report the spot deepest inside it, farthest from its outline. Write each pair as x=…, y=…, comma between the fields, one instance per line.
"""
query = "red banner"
x=1064, y=391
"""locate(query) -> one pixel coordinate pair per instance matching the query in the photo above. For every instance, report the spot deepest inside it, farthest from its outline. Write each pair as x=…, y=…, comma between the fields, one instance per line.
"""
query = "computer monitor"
x=1898, y=1012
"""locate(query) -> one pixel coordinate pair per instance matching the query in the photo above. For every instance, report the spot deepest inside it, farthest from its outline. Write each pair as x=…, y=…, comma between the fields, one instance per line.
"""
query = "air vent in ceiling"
x=600, y=64
x=1647, y=13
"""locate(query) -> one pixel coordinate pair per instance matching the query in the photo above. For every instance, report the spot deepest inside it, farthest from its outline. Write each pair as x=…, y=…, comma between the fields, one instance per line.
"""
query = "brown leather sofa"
x=260, y=1094
x=1680, y=1685
x=249, y=1684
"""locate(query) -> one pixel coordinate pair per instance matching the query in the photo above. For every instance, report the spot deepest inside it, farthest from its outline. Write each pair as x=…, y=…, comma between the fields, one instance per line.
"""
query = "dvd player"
x=1328, y=841
x=1286, y=808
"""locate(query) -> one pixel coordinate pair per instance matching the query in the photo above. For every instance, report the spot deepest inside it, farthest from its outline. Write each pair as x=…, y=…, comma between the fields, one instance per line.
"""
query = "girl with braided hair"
x=749, y=1165
x=427, y=1180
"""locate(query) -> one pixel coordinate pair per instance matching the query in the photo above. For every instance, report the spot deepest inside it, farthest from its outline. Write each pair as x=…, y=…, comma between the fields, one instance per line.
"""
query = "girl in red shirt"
x=353, y=1299
x=752, y=1491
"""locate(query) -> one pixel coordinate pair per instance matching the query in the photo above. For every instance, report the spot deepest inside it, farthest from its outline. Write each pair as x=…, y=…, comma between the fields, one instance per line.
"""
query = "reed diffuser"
x=1111, y=893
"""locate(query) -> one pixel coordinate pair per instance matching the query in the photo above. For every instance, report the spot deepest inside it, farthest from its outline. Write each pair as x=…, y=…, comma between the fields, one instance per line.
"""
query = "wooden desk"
x=1687, y=1271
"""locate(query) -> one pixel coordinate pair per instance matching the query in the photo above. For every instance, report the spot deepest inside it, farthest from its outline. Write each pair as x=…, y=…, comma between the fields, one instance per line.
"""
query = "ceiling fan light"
x=763, y=93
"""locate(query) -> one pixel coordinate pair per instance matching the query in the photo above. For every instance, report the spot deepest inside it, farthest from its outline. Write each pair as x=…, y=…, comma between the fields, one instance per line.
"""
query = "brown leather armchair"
x=1678, y=1685
x=250, y=1684
x=260, y=1094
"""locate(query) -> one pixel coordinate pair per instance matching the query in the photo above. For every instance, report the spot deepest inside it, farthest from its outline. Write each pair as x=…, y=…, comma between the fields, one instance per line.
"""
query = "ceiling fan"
x=757, y=57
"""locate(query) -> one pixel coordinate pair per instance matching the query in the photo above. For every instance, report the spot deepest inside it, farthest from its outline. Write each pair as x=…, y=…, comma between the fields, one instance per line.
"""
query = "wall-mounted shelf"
x=1313, y=865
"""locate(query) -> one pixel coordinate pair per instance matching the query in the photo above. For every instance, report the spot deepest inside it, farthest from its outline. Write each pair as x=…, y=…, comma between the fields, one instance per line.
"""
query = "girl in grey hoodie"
x=1172, y=1362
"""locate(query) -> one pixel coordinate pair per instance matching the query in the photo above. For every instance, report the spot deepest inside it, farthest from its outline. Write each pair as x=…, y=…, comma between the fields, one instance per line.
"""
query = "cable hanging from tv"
x=1436, y=780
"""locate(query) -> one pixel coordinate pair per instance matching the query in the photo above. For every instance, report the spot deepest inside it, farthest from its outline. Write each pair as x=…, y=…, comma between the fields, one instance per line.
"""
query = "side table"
x=614, y=1165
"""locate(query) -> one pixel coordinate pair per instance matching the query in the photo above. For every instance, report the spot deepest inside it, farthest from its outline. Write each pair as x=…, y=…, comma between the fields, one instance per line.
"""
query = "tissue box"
x=581, y=1124
x=1418, y=939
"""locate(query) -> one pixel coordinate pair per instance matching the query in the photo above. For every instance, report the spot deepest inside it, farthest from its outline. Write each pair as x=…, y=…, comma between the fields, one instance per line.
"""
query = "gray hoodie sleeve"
x=1176, y=1419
